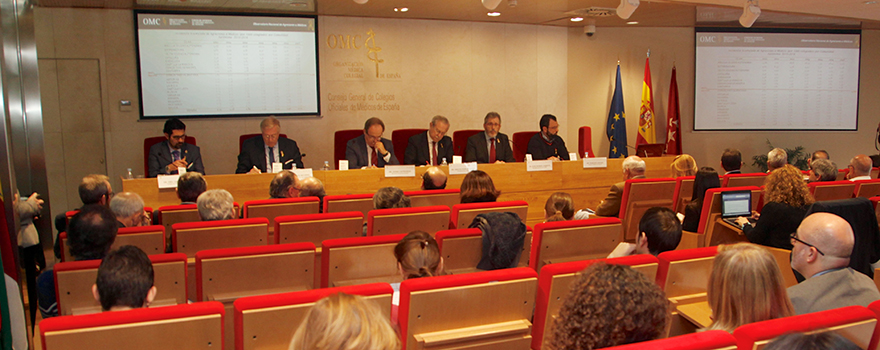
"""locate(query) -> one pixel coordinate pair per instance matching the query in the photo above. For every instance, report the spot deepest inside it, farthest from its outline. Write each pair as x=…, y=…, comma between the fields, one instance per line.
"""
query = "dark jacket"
x=418, y=152
x=253, y=153
x=478, y=151
x=503, y=238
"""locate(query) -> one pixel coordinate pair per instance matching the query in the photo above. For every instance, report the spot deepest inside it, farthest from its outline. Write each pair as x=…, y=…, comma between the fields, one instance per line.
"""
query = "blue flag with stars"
x=616, y=126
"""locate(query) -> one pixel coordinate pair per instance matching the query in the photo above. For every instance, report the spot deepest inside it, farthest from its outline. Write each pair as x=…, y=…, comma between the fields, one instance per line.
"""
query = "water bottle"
x=443, y=162
x=128, y=175
x=326, y=165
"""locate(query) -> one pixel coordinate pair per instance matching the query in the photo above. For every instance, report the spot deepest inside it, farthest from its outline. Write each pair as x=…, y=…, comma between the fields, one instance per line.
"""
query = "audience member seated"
x=610, y=305
x=370, y=150
x=489, y=145
x=547, y=144
x=731, y=161
x=745, y=286
x=633, y=168
x=89, y=237
x=431, y=147
x=559, y=207
x=705, y=180
x=477, y=187
x=94, y=189
x=216, y=205
x=776, y=159
x=819, y=154
x=786, y=199
x=828, y=340
x=434, y=179
x=129, y=210
x=166, y=156
x=659, y=231
x=503, y=238
x=389, y=198
x=190, y=186
x=683, y=165
x=312, y=187
x=418, y=255
x=822, y=247
x=859, y=168
x=343, y=321
x=259, y=152
x=125, y=280
x=284, y=185
x=822, y=170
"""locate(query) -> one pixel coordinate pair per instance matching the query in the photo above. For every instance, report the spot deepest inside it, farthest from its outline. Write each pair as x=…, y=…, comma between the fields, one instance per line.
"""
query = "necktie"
x=374, y=158
x=492, y=150
x=433, y=153
x=271, y=157
x=175, y=156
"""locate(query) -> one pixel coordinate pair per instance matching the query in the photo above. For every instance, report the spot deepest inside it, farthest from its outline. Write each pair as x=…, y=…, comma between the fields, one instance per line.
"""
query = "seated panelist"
x=259, y=152
x=370, y=150
x=490, y=145
x=166, y=156
x=431, y=147
x=547, y=144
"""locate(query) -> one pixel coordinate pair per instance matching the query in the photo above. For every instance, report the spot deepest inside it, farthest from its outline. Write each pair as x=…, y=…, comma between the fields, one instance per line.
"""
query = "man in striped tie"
x=490, y=145
x=432, y=146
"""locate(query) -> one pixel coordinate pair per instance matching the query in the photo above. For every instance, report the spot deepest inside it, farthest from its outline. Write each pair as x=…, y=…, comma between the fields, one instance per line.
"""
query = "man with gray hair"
x=821, y=252
x=129, y=210
x=633, y=168
x=216, y=205
x=431, y=147
x=859, y=168
x=823, y=170
x=776, y=158
x=312, y=187
x=258, y=153
x=284, y=185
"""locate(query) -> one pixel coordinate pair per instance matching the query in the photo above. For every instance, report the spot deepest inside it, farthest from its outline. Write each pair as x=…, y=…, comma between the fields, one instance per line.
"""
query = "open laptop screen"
x=736, y=203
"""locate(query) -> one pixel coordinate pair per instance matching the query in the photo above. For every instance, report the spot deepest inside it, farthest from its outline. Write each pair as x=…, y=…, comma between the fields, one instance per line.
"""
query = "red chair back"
x=463, y=214
x=585, y=141
x=404, y=220
x=447, y=197
x=832, y=190
x=639, y=195
x=739, y=180
x=350, y=261
x=349, y=202
x=855, y=323
x=684, y=191
x=150, y=141
x=340, y=139
x=867, y=188
x=521, y=144
x=459, y=140
x=563, y=241
x=685, y=273
x=400, y=139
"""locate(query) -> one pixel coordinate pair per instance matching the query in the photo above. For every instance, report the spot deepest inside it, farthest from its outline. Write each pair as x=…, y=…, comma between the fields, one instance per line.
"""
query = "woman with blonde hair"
x=345, y=322
x=559, y=207
x=746, y=286
x=786, y=199
x=683, y=165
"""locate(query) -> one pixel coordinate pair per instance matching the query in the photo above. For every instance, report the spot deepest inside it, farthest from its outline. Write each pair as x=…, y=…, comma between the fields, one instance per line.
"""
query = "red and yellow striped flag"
x=646, y=113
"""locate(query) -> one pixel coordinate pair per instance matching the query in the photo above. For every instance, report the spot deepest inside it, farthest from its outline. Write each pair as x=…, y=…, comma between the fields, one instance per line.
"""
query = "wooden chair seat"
x=404, y=220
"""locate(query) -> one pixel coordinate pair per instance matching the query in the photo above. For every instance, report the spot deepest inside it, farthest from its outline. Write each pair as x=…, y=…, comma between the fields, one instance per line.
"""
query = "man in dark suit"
x=489, y=146
x=166, y=156
x=731, y=161
x=547, y=144
x=431, y=147
x=370, y=150
x=259, y=152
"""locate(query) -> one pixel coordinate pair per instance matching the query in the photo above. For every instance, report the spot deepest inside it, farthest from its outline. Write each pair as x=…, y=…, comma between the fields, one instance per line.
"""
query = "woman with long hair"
x=705, y=179
x=343, y=321
x=786, y=199
x=477, y=187
x=559, y=207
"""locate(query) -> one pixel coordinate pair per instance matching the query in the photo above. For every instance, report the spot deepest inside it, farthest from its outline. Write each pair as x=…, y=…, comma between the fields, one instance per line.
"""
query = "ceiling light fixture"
x=361, y=2
x=401, y=9
x=870, y=2
x=751, y=11
x=491, y=4
x=632, y=22
x=626, y=8
x=577, y=19
x=494, y=14
x=511, y=3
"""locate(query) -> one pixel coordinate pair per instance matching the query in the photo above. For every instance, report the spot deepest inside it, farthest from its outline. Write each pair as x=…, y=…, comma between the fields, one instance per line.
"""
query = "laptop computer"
x=735, y=204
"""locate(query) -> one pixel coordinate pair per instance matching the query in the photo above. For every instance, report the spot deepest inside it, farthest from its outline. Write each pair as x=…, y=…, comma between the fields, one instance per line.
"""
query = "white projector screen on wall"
x=221, y=65
x=776, y=81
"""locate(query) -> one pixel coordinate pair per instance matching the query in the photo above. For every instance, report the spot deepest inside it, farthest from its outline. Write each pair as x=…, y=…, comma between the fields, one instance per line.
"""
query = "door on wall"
x=73, y=126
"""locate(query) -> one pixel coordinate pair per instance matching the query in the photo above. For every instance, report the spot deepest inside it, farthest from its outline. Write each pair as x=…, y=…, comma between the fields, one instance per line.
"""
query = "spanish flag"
x=646, y=113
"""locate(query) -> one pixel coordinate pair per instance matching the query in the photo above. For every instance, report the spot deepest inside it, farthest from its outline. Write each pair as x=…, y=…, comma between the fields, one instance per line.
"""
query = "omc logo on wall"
x=366, y=42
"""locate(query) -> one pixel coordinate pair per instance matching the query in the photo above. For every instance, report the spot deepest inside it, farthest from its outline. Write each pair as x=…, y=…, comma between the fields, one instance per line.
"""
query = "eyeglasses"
x=794, y=238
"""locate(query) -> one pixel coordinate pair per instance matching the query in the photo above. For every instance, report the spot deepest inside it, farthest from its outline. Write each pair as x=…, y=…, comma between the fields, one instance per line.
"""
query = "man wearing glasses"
x=260, y=152
x=167, y=156
x=821, y=251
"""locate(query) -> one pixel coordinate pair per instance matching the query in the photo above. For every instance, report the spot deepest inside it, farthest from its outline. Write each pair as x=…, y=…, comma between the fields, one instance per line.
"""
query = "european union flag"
x=616, y=126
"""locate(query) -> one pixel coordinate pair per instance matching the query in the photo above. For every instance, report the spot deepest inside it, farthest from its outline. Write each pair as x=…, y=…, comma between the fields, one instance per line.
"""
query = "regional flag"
x=646, y=113
x=673, y=119
x=616, y=126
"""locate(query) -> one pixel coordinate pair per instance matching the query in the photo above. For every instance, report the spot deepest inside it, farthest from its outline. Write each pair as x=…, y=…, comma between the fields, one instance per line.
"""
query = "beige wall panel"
x=552, y=94
x=49, y=96
x=79, y=32
x=44, y=32
x=55, y=173
x=79, y=96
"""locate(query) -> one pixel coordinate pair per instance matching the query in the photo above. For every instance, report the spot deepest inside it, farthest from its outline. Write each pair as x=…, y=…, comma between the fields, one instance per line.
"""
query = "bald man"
x=434, y=179
x=822, y=248
x=859, y=168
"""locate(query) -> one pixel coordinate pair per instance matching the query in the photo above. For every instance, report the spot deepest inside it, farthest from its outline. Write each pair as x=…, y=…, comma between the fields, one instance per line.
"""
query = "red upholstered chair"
x=832, y=190
x=711, y=230
x=150, y=141
x=875, y=171
x=639, y=195
x=563, y=241
x=404, y=220
x=244, y=137
x=340, y=139
x=867, y=188
x=685, y=273
x=463, y=214
x=459, y=140
x=684, y=191
x=739, y=180
x=462, y=249
x=855, y=323
x=400, y=139
x=191, y=237
x=349, y=202
x=350, y=261
x=497, y=305
x=585, y=141
x=187, y=326
x=172, y=214
x=316, y=228
x=257, y=319
x=271, y=208
x=553, y=287
x=708, y=340
x=150, y=239
x=447, y=197
x=842, y=173
x=521, y=144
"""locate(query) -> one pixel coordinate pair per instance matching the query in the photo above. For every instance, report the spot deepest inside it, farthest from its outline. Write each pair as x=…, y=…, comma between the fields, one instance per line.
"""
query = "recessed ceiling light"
x=633, y=22
x=577, y=19
x=494, y=14
x=870, y=2
x=401, y=9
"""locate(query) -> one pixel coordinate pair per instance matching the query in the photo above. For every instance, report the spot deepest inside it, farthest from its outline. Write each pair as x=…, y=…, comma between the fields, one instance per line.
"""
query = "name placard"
x=277, y=167
x=572, y=156
x=302, y=173
x=596, y=162
x=462, y=168
x=343, y=165
x=167, y=181
x=456, y=159
x=539, y=165
x=400, y=171
x=181, y=170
